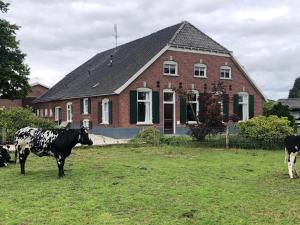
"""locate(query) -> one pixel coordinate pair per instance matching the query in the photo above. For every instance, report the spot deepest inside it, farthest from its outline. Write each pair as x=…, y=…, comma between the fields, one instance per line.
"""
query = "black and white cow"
x=49, y=142
x=292, y=148
x=4, y=156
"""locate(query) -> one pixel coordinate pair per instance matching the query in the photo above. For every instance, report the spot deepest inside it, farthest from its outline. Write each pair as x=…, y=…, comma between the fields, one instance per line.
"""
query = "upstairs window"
x=170, y=68
x=200, y=70
x=225, y=72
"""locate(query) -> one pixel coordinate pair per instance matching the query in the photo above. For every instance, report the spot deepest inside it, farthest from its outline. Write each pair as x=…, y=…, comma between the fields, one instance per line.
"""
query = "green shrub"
x=175, y=140
x=16, y=118
x=150, y=135
x=266, y=129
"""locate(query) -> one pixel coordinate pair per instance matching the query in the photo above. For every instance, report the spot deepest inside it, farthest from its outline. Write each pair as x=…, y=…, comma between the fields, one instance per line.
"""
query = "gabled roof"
x=292, y=103
x=98, y=77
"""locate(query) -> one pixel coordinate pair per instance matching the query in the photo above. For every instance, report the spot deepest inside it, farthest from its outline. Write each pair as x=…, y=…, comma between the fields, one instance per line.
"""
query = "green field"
x=152, y=185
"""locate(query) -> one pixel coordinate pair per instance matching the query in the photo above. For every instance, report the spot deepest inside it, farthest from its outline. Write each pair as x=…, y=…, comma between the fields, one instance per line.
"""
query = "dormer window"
x=200, y=71
x=225, y=72
x=170, y=68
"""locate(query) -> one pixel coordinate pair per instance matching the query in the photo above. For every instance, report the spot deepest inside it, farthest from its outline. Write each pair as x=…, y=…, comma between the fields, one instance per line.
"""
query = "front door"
x=169, y=118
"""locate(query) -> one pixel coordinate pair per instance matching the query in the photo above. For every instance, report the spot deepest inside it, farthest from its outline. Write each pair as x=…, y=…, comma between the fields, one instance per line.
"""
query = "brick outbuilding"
x=122, y=90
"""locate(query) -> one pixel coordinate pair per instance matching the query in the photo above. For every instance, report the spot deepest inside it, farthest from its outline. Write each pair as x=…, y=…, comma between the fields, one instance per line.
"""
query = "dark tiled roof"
x=95, y=77
x=292, y=103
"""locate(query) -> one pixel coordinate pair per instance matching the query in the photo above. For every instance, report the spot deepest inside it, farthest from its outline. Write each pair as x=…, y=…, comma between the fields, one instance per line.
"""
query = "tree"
x=13, y=71
x=295, y=91
x=209, y=119
x=281, y=111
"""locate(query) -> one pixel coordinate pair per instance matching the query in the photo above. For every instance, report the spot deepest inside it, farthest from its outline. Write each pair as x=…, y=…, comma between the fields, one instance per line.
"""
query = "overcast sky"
x=59, y=35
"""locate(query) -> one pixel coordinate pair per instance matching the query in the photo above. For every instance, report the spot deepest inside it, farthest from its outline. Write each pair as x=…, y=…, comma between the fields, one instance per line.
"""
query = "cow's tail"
x=286, y=158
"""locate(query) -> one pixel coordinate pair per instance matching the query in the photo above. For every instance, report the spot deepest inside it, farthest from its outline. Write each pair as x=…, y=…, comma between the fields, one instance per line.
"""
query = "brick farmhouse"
x=124, y=89
x=37, y=90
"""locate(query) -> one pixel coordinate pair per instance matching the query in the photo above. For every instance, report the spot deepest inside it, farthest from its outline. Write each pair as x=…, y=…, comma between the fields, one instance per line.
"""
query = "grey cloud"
x=59, y=35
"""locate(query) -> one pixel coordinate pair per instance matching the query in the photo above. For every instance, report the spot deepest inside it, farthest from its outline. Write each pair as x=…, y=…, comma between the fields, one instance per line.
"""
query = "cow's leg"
x=295, y=172
x=22, y=159
x=60, y=164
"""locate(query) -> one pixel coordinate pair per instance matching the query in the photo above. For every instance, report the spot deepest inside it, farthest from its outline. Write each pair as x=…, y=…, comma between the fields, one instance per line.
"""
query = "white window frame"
x=198, y=66
x=37, y=112
x=148, y=121
x=105, y=111
x=173, y=63
x=222, y=69
x=69, y=112
x=50, y=113
x=245, y=103
x=41, y=113
x=193, y=102
x=85, y=106
x=86, y=123
x=46, y=112
x=56, y=113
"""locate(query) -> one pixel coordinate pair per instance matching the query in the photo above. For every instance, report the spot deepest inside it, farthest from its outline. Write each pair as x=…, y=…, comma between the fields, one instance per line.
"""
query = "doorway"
x=169, y=112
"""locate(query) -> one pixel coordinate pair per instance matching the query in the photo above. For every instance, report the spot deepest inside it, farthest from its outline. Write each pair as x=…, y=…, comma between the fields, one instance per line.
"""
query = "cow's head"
x=84, y=137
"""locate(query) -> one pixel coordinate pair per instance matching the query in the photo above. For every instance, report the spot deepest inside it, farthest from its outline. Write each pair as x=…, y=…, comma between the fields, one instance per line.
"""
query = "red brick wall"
x=154, y=73
x=37, y=90
x=77, y=116
x=10, y=103
x=186, y=61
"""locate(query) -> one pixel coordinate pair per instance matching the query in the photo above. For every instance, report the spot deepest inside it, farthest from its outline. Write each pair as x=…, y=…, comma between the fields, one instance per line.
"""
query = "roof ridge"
x=179, y=29
x=209, y=37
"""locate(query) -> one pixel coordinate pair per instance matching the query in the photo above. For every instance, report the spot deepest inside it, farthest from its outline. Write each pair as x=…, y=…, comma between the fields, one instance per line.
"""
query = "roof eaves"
x=200, y=49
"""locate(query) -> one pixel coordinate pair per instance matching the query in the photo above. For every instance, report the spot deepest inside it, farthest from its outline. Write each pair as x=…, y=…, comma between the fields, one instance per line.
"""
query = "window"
x=57, y=113
x=46, y=112
x=170, y=68
x=69, y=112
x=192, y=106
x=144, y=106
x=86, y=123
x=85, y=106
x=37, y=112
x=105, y=111
x=50, y=112
x=200, y=70
x=225, y=72
x=41, y=113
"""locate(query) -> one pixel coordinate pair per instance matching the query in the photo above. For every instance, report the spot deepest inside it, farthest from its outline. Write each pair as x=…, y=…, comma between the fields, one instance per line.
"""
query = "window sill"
x=171, y=75
x=105, y=123
x=223, y=78
x=85, y=114
x=201, y=77
x=143, y=123
x=191, y=122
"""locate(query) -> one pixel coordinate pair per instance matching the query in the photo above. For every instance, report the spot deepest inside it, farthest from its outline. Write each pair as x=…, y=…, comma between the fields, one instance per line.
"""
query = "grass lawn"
x=152, y=185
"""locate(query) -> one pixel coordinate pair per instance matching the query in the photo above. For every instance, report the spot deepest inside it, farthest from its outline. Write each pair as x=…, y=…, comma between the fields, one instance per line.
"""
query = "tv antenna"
x=116, y=35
